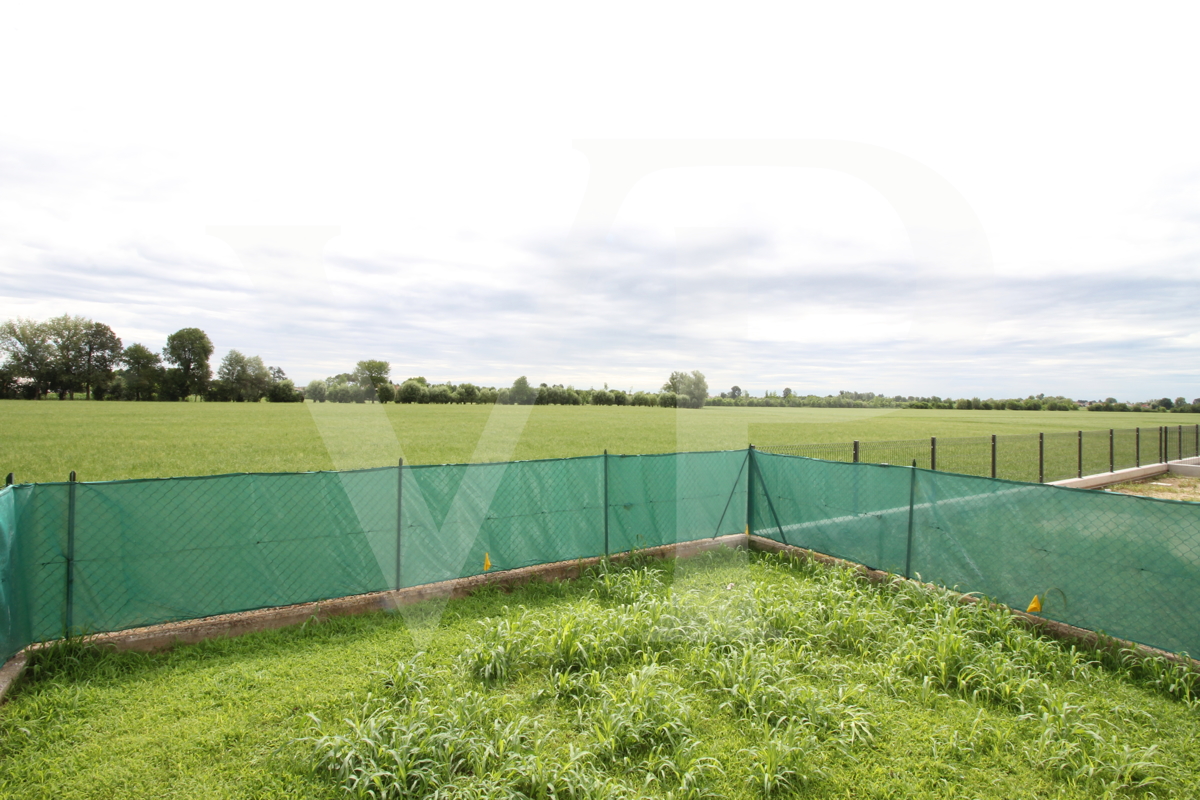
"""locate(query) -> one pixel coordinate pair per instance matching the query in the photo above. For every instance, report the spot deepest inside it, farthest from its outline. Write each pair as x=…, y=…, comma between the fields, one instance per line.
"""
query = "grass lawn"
x=730, y=675
x=45, y=440
x=1168, y=487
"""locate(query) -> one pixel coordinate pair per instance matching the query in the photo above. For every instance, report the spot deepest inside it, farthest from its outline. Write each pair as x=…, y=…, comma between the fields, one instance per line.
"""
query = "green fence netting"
x=1125, y=565
x=96, y=557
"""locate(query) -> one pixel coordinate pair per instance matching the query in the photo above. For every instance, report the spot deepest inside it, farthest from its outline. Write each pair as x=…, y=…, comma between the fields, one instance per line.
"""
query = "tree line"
x=72, y=355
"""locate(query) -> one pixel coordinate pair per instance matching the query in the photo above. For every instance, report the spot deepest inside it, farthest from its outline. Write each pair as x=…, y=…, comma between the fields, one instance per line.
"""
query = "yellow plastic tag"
x=487, y=564
x=1035, y=605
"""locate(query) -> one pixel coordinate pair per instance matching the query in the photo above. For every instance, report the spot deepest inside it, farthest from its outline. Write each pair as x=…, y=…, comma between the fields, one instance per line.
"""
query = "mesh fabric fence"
x=95, y=557
x=1129, y=566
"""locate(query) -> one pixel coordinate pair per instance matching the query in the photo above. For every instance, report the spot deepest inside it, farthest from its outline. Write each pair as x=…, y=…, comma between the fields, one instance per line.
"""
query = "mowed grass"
x=730, y=675
x=44, y=441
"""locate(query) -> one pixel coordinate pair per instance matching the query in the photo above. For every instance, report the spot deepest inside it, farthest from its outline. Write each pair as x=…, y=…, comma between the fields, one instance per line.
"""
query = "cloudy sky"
x=930, y=200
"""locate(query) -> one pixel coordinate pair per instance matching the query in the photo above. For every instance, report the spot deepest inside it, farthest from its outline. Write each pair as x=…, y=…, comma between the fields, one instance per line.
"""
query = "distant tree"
x=521, y=393
x=667, y=399
x=372, y=373
x=246, y=378
x=466, y=393
x=602, y=398
x=68, y=336
x=692, y=384
x=189, y=349
x=386, y=393
x=283, y=391
x=619, y=398
x=315, y=391
x=29, y=353
x=103, y=353
x=963, y=403
x=787, y=393
x=440, y=394
x=412, y=392
x=1165, y=403
x=143, y=371
x=735, y=392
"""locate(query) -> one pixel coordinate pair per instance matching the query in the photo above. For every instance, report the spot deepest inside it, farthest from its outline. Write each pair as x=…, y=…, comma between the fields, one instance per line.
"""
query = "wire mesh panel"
x=1017, y=457
x=153, y=551
x=901, y=451
x=662, y=499
x=827, y=451
x=462, y=519
x=12, y=638
x=858, y=512
x=967, y=455
x=1124, y=448
x=1128, y=566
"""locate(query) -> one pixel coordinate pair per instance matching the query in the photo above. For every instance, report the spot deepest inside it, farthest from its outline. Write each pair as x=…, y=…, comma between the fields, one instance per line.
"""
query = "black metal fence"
x=1032, y=457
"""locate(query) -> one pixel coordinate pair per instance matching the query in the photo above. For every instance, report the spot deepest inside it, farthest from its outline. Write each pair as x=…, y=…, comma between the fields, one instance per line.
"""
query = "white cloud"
x=437, y=142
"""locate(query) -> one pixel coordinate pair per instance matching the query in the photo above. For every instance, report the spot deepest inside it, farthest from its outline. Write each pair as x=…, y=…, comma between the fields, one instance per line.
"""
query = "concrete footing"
x=1188, y=467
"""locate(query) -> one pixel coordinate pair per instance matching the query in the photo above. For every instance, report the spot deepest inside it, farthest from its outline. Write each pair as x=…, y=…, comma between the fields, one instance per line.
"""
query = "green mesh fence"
x=95, y=557
x=1125, y=565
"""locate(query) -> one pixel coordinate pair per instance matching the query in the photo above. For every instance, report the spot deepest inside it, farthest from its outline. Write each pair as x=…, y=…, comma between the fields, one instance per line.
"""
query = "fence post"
x=1112, y=467
x=399, y=517
x=1079, y=471
x=1041, y=458
x=912, y=498
x=856, y=451
x=1162, y=435
x=933, y=453
x=1197, y=451
x=1137, y=447
x=606, y=502
x=1179, y=453
x=9, y=480
x=993, y=456
x=70, y=617
x=750, y=465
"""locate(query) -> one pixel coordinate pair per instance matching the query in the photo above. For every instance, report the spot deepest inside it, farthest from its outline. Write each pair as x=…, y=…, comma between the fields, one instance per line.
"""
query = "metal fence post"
x=912, y=500
x=399, y=518
x=933, y=453
x=856, y=451
x=9, y=480
x=1111, y=455
x=1162, y=436
x=1137, y=447
x=70, y=610
x=1041, y=458
x=993, y=455
x=1195, y=452
x=606, y=502
x=1079, y=471
x=750, y=492
x=1179, y=453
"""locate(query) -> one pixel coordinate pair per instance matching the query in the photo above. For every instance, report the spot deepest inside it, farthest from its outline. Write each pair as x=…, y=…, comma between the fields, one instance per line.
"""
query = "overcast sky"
x=929, y=200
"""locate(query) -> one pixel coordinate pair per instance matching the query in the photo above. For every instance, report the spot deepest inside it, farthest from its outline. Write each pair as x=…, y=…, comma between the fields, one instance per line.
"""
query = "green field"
x=730, y=675
x=45, y=440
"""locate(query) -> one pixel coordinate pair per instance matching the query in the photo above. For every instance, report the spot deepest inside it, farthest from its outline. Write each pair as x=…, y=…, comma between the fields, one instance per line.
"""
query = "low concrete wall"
x=1109, y=478
x=1186, y=470
x=161, y=637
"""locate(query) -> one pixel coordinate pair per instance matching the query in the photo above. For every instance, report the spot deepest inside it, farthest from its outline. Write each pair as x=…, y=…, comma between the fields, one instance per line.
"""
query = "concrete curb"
x=161, y=637
x=1189, y=467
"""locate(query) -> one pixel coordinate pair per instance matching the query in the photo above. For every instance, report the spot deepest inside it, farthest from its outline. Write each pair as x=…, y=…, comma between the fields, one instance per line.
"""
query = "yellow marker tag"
x=487, y=564
x=1035, y=605
x=747, y=529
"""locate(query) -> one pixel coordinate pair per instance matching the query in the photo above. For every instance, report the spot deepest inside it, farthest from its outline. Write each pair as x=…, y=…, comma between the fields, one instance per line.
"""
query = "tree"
x=30, y=352
x=246, y=378
x=68, y=337
x=372, y=373
x=386, y=393
x=1165, y=403
x=602, y=398
x=189, y=350
x=691, y=384
x=521, y=393
x=315, y=391
x=411, y=391
x=103, y=353
x=142, y=371
x=735, y=392
x=787, y=393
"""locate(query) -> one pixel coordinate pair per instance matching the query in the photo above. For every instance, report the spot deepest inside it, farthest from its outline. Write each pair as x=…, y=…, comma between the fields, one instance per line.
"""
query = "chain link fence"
x=1030, y=457
x=98, y=557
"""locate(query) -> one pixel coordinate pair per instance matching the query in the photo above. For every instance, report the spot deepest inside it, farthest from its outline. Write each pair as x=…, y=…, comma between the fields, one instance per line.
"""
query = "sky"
x=936, y=199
